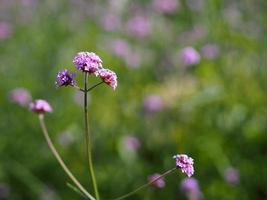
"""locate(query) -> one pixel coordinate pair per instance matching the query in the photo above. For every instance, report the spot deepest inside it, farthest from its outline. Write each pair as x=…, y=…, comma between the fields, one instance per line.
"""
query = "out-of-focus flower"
x=20, y=96
x=139, y=26
x=40, y=106
x=185, y=163
x=133, y=59
x=87, y=62
x=158, y=181
x=190, y=186
x=210, y=51
x=131, y=143
x=120, y=47
x=65, y=78
x=165, y=6
x=108, y=76
x=153, y=103
x=231, y=175
x=4, y=191
x=110, y=22
x=189, y=56
x=5, y=30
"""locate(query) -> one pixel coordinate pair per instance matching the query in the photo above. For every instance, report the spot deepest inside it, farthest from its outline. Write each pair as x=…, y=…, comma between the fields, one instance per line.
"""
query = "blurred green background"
x=213, y=109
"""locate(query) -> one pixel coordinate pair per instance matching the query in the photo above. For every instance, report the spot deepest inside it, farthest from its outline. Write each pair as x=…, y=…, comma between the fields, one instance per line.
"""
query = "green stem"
x=145, y=185
x=94, y=86
x=88, y=139
x=59, y=159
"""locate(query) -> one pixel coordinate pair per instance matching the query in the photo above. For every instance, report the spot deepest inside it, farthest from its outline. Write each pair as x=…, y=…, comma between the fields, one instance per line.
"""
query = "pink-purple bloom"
x=156, y=180
x=153, y=103
x=20, y=96
x=189, y=56
x=191, y=188
x=231, y=175
x=139, y=26
x=65, y=78
x=185, y=163
x=210, y=51
x=87, y=62
x=165, y=6
x=131, y=143
x=108, y=76
x=40, y=106
x=5, y=30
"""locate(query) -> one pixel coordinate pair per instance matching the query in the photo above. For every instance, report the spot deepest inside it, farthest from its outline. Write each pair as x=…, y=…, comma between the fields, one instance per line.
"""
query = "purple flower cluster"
x=90, y=63
x=185, y=163
x=20, y=96
x=65, y=78
x=189, y=56
x=87, y=62
x=40, y=106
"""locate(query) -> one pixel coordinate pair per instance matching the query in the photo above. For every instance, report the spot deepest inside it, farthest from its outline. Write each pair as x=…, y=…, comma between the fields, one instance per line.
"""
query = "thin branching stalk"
x=145, y=185
x=59, y=159
x=95, y=86
x=88, y=138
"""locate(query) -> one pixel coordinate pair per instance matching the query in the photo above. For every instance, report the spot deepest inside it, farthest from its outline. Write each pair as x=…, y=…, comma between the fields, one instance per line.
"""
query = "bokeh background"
x=191, y=79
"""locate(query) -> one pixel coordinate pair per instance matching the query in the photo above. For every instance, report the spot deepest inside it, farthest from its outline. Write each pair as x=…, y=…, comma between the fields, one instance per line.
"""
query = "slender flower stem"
x=78, y=88
x=94, y=86
x=59, y=159
x=88, y=138
x=145, y=185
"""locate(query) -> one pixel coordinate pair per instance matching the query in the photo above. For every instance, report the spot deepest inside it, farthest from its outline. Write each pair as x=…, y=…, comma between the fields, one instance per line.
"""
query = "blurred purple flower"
x=153, y=103
x=210, y=51
x=109, y=77
x=4, y=191
x=191, y=188
x=133, y=59
x=131, y=143
x=65, y=78
x=158, y=181
x=5, y=30
x=87, y=62
x=20, y=96
x=139, y=26
x=231, y=175
x=40, y=106
x=110, y=22
x=165, y=6
x=189, y=56
x=120, y=47
x=185, y=163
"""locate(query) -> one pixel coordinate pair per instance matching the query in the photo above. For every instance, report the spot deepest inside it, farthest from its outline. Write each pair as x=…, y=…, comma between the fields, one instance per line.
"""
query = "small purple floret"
x=40, y=106
x=158, y=182
x=185, y=163
x=65, y=78
x=87, y=62
x=108, y=76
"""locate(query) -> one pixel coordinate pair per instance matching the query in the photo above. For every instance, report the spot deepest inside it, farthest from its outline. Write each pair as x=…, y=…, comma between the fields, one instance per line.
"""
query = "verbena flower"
x=191, y=188
x=40, y=106
x=165, y=6
x=185, y=163
x=159, y=183
x=189, y=56
x=87, y=62
x=231, y=175
x=131, y=143
x=108, y=76
x=65, y=78
x=20, y=96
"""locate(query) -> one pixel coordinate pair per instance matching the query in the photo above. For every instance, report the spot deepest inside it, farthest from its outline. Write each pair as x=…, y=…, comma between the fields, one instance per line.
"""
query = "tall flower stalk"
x=90, y=64
x=88, y=138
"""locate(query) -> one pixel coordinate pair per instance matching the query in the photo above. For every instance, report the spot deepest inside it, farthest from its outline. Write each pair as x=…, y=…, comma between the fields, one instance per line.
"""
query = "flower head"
x=87, y=62
x=165, y=6
x=20, y=96
x=108, y=76
x=40, y=106
x=210, y=51
x=231, y=175
x=189, y=184
x=189, y=56
x=65, y=78
x=185, y=163
x=153, y=103
x=131, y=143
x=157, y=180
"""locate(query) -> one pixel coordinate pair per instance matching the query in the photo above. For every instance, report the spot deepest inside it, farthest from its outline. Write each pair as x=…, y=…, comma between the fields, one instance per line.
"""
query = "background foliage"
x=215, y=111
